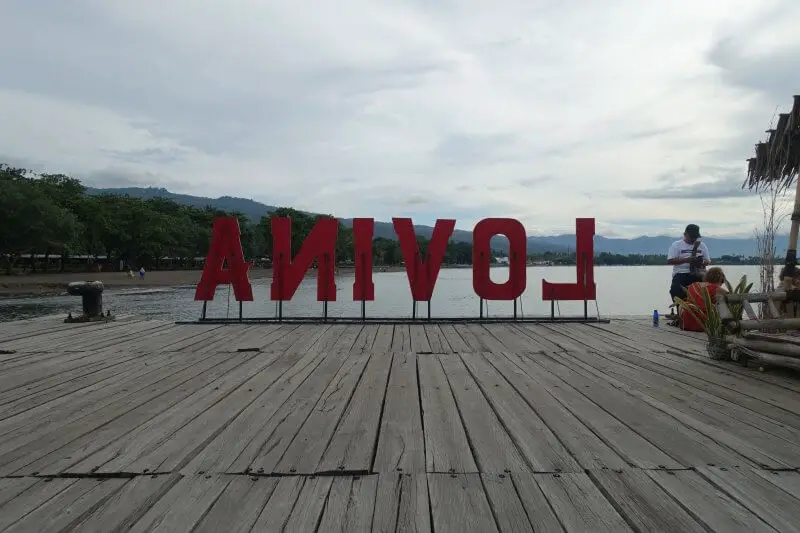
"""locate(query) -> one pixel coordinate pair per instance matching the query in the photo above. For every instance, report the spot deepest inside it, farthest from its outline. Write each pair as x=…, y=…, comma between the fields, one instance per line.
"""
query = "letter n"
x=421, y=273
x=225, y=263
x=481, y=257
x=288, y=272
x=585, y=288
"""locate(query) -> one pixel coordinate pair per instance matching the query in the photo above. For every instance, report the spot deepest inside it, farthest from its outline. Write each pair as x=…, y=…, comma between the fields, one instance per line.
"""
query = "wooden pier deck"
x=151, y=426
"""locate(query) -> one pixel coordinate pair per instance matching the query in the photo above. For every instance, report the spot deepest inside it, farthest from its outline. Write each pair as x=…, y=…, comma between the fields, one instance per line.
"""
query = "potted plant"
x=709, y=318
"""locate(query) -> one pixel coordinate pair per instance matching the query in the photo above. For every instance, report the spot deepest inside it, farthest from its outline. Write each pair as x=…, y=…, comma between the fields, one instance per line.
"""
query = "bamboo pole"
x=772, y=346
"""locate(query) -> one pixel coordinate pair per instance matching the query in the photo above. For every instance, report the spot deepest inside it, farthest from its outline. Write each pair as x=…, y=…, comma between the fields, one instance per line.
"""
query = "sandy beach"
x=56, y=283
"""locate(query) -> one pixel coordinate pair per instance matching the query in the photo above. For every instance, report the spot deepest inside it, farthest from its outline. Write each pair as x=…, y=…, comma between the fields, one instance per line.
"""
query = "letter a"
x=225, y=247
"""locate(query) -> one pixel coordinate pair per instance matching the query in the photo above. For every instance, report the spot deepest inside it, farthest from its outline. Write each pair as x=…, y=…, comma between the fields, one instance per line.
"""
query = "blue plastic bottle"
x=655, y=318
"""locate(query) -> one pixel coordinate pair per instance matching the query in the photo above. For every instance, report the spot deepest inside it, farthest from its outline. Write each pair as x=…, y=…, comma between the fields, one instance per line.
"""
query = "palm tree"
x=776, y=163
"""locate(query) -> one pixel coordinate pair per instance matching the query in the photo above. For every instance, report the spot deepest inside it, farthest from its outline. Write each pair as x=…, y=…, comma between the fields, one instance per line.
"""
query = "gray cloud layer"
x=536, y=110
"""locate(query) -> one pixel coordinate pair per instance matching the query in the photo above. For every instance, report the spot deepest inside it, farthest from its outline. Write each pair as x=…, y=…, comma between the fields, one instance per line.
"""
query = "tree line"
x=52, y=214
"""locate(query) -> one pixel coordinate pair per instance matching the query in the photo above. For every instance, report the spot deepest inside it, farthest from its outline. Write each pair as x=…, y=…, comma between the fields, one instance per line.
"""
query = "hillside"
x=559, y=243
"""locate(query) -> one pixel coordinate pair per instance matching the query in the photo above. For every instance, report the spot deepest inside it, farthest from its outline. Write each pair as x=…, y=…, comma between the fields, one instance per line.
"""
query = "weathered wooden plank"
x=346, y=337
x=685, y=444
x=494, y=449
x=579, y=505
x=459, y=504
x=136, y=385
x=740, y=390
x=771, y=503
x=366, y=338
x=306, y=449
x=715, y=508
x=276, y=512
x=533, y=438
x=401, y=444
x=401, y=341
x=436, y=338
x=173, y=450
x=759, y=446
x=30, y=500
x=504, y=501
x=631, y=446
x=419, y=339
x=508, y=339
x=64, y=447
x=239, y=505
x=310, y=503
x=183, y=506
x=788, y=480
x=10, y=488
x=402, y=504
x=350, y=505
x=446, y=445
x=268, y=443
x=352, y=445
x=383, y=339
x=544, y=340
x=645, y=505
x=538, y=509
x=129, y=453
x=23, y=398
x=673, y=391
x=588, y=449
x=127, y=505
x=68, y=506
x=454, y=339
x=248, y=428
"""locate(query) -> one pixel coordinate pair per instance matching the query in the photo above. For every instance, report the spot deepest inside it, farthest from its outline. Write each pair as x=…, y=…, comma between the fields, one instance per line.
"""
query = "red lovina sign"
x=225, y=262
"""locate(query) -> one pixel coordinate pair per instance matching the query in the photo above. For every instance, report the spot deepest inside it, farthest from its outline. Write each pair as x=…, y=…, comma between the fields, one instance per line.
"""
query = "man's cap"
x=693, y=231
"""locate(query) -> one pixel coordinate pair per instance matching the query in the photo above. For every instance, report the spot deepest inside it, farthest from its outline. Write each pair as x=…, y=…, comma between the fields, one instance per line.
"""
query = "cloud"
x=726, y=187
x=542, y=111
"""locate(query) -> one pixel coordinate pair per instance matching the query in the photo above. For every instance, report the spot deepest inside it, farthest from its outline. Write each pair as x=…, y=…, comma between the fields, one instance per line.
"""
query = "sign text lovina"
x=225, y=263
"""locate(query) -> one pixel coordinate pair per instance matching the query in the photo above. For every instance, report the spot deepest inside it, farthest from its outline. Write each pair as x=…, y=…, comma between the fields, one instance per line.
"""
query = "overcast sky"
x=639, y=114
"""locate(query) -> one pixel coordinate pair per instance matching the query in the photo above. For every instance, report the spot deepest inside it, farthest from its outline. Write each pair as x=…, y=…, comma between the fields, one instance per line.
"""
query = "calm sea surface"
x=621, y=291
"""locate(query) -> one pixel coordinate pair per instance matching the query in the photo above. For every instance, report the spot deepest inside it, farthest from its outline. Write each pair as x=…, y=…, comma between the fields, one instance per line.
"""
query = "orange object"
x=695, y=296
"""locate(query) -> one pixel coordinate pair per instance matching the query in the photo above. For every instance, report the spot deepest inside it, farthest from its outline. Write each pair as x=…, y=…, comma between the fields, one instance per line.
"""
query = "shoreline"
x=55, y=284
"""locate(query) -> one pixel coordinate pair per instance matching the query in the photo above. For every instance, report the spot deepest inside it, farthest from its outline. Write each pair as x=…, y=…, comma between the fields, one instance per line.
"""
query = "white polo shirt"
x=682, y=249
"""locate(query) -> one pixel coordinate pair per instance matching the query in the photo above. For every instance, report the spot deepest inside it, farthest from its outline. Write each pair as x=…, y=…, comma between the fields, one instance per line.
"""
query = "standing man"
x=685, y=268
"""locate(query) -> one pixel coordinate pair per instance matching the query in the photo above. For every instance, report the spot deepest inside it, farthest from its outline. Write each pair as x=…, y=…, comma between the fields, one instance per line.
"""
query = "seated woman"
x=713, y=282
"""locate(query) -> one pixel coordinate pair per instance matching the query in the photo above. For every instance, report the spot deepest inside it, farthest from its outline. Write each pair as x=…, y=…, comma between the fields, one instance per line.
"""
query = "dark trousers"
x=680, y=282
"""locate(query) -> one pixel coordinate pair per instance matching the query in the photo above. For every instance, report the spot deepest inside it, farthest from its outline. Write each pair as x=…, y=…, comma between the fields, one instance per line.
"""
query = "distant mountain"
x=660, y=244
x=252, y=209
x=559, y=243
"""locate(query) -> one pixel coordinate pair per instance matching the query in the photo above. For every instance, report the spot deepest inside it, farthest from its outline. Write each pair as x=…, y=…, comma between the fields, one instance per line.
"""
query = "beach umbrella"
x=776, y=163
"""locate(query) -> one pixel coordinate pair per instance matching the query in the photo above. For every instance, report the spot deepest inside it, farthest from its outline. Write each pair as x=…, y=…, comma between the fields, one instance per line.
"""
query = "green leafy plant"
x=708, y=318
x=741, y=288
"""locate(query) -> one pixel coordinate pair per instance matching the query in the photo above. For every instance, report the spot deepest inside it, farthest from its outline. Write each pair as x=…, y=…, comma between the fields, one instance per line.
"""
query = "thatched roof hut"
x=777, y=161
